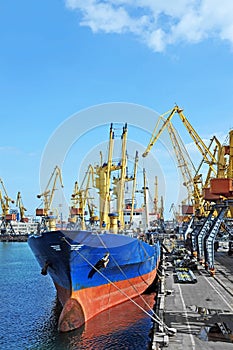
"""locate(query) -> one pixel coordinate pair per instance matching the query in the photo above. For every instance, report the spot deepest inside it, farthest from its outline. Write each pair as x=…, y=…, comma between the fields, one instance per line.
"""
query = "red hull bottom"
x=84, y=304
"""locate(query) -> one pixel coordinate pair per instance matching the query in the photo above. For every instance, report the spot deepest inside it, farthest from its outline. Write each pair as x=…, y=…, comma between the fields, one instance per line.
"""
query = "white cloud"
x=6, y=150
x=14, y=151
x=159, y=23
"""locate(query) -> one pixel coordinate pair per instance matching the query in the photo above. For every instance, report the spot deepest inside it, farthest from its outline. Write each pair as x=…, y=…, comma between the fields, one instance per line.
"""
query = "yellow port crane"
x=183, y=160
x=206, y=153
x=22, y=209
x=47, y=215
x=186, y=167
x=229, y=152
x=5, y=200
x=6, y=217
x=93, y=218
x=192, y=182
x=222, y=185
x=80, y=199
x=129, y=203
x=219, y=152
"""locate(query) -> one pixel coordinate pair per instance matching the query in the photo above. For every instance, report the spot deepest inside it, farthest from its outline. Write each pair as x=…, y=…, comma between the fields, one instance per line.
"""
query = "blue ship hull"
x=94, y=271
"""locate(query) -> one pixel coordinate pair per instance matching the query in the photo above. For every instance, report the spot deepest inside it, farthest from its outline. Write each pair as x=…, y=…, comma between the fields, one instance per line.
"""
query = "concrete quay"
x=198, y=314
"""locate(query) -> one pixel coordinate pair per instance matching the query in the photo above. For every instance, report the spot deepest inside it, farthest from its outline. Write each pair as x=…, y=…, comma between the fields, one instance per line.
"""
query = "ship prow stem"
x=71, y=317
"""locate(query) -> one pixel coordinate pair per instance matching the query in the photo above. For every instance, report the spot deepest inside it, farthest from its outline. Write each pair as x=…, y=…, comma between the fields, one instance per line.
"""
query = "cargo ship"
x=93, y=272
x=95, y=268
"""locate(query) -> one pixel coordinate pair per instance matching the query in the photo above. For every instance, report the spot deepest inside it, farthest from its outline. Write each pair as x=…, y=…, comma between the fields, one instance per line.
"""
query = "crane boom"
x=48, y=193
x=206, y=153
x=198, y=141
x=182, y=159
x=5, y=199
x=155, y=136
x=80, y=197
x=48, y=219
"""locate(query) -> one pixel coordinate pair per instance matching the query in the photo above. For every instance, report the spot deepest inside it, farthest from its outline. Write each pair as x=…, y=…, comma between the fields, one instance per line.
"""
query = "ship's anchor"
x=100, y=264
x=104, y=261
x=44, y=269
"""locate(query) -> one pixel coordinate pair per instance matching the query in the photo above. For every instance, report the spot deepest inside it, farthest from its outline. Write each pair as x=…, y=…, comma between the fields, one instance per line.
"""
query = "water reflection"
x=122, y=327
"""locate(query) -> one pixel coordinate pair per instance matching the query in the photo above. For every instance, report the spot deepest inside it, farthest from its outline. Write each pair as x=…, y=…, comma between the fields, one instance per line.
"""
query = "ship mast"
x=145, y=188
x=134, y=185
x=156, y=196
x=103, y=182
x=121, y=191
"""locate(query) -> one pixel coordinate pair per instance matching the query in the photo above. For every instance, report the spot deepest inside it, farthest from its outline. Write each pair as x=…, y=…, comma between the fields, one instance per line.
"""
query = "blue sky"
x=61, y=57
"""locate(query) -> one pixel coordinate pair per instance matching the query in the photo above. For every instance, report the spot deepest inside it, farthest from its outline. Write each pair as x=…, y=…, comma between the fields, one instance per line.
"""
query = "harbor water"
x=29, y=312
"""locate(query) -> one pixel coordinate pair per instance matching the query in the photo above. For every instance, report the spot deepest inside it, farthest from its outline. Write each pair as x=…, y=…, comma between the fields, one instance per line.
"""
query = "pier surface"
x=201, y=312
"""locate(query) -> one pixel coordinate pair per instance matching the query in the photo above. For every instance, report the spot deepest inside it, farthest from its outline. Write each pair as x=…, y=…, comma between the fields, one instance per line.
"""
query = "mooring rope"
x=104, y=245
x=154, y=317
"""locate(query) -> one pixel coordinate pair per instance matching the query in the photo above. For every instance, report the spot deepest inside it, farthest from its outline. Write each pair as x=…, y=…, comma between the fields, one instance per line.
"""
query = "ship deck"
x=194, y=308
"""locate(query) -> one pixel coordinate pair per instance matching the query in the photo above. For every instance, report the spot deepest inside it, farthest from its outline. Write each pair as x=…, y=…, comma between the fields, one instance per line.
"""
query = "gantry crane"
x=6, y=217
x=46, y=213
x=22, y=209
